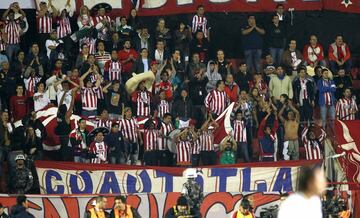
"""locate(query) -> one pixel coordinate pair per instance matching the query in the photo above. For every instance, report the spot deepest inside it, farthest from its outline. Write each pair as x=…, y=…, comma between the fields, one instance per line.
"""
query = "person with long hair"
x=306, y=201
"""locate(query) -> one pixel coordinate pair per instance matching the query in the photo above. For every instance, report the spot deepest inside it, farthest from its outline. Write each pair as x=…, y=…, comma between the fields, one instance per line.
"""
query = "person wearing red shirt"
x=260, y=84
x=18, y=104
x=127, y=57
x=231, y=88
x=314, y=53
x=339, y=55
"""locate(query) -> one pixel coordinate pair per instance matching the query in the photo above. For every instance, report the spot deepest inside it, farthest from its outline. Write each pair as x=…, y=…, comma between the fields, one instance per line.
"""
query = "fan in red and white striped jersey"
x=346, y=107
x=44, y=18
x=101, y=56
x=150, y=139
x=113, y=68
x=183, y=156
x=90, y=42
x=63, y=22
x=129, y=128
x=196, y=147
x=165, y=129
x=106, y=22
x=100, y=149
x=142, y=98
x=163, y=107
x=207, y=140
x=12, y=31
x=89, y=98
x=199, y=22
x=103, y=120
x=239, y=131
x=217, y=100
x=312, y=143
x=30, y=85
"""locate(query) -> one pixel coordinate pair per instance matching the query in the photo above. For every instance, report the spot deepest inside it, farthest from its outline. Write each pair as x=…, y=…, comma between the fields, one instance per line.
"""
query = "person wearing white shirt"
x=41, y=100
x=306, y=202
x=52, y=43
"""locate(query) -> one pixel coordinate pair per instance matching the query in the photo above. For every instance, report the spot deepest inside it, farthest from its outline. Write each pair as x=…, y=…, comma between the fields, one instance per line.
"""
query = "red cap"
x=153, y=63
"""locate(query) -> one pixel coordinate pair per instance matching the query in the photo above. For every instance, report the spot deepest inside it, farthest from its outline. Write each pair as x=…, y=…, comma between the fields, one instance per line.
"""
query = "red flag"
x=224, y=123
x=48, y=118
x=348, y=139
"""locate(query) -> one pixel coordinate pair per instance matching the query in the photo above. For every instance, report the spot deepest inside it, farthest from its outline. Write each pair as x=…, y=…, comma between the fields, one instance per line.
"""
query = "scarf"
x=282, y=76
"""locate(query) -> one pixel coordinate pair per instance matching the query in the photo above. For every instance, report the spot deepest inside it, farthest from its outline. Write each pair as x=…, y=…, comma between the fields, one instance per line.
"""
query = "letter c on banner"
x=85, y=179
x=57, y=189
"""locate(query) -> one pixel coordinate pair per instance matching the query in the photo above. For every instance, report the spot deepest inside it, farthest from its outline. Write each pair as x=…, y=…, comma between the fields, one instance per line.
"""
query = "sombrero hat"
x=132, y=84
x=97, y=7
x=95, y=131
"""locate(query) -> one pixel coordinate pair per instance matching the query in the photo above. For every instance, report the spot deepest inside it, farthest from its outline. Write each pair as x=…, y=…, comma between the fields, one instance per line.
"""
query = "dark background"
x=226, y=28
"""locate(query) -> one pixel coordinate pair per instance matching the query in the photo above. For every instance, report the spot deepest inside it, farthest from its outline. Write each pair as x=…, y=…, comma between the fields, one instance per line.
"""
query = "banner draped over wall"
x=67, y=178
x=166, y=7
x=149, y=205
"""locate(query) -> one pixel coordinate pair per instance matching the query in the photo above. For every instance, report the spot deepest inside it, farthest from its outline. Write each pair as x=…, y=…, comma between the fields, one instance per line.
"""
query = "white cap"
x=190, y=173
x=19, y=157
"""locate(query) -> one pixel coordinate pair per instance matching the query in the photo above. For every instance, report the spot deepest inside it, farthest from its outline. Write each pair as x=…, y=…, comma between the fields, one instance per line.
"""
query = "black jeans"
x=242, y=151
x=306, y=111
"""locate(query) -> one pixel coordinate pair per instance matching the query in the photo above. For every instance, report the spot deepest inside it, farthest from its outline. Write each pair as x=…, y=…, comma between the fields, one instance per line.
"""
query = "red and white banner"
x=348, y=141
x=166, y=7
x=215, y=205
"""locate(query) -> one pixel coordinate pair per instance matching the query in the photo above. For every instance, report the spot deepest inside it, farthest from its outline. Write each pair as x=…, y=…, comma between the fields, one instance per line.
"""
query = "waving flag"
x=224, y=123
x=348, y=139
x=48, y=118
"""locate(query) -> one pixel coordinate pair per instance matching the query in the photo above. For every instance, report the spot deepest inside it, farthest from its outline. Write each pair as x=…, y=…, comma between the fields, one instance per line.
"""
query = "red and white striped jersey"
x=30, y=85
x=12, y=30
x=101, y=59
x=63, y=27
x=199, y=24
x=98, y=19
x=44, y=24
x=2, y=42
x=89, y=98
x=312, y=147
x=143, y=101
x=129, y=129
x=90, y=42
x=150, y=139
x=207, y=141
x=112, y=70
x=346, y=109
x=101, y=150
x=164, y=132
x=104, y=123
x=240, y=131
x=216, y=101
x=196, y=148
x=102, y=33
x=100, y=93
x=183, y=156
x=163, y=108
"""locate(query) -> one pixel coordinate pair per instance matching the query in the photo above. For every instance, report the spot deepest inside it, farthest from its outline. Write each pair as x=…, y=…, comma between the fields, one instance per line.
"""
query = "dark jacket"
x=310, y=89
x=138, y=66
x=137, y=44
x=243, y=80
x=133, y=210
x=182, y=108
x=345, y=81
x=115, y=109
x=286, y=59
x=4, y=215
x=19, y=211
x=43, y=59
x=197, y=89
x=115, y=141
x=276, y=36
x=2, y=134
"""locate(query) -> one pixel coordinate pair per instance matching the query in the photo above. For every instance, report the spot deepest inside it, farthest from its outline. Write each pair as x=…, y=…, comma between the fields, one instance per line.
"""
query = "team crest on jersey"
x=346, y=3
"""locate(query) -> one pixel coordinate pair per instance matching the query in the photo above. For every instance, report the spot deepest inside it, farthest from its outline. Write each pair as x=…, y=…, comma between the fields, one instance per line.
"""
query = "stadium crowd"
x=83, y=72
